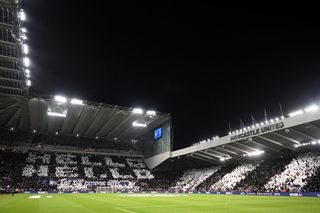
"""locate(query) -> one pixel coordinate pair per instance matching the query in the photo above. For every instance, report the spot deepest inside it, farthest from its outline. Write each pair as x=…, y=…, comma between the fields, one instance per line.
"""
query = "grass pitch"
x=134, y=203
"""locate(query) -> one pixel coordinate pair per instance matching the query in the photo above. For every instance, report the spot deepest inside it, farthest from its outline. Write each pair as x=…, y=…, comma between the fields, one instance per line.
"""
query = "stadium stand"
x=62, y=169
x=205, y=185
x=228, y=181
x=294, y=177
x=41, y=171
x=255, y=180
x=192, y=178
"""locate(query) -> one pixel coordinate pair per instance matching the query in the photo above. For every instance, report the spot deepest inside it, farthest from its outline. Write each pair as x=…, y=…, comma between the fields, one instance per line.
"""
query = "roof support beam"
x=204, y=156
x=285, y=137
x=264, y=146
x=200, y=158
x=303, y=134
x=275, y=142
x=208, y=153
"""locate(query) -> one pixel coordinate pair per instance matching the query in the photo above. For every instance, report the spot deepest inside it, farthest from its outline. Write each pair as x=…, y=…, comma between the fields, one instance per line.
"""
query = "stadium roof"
x=76, y=117
x=298, y=132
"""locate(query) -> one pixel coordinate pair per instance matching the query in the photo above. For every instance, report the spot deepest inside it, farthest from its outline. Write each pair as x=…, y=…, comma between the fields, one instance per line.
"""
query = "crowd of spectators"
x=255, y=180
x=229, y=181
x=192, y=178
x=296, y=173
x=33, y=171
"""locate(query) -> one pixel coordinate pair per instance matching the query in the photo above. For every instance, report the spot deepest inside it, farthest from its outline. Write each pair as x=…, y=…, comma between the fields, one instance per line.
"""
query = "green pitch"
x=128, y=203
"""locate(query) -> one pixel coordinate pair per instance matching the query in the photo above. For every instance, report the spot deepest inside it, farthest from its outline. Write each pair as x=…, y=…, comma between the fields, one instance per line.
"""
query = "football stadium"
x=65, y=154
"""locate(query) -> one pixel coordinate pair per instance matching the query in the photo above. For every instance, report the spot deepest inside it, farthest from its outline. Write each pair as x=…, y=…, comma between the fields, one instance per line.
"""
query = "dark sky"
x=206, y=65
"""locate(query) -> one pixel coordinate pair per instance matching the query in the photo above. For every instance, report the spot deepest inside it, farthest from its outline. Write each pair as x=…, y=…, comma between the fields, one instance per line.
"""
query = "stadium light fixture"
x=261, y=124
x=137, y=111
x=257, y=125
x=24, y=30
x=75, y=101
x=225, y=158
x=311, y=108
x=252, y=126
x=28, y=83
x=282, y=117
x=255, y=153
x=137, y=124
x=266, y=122
x=25, y=49
x=22, y=15
x=60, y=99
x=295, y=113
x=24, y=37
x=26, y=62
x=151, y=113
x=271, y=120
x=276, y=119
x=56, y=114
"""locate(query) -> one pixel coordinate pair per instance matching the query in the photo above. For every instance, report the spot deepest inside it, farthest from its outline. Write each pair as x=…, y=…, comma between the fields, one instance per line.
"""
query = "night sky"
x=205, y=64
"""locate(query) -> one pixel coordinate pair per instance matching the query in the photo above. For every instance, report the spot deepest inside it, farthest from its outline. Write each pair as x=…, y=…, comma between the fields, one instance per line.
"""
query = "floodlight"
x=266, y=122
x=257, y=125
x=22, y=15
x=24, y=37
x=26, y=62
x=137, y=111
x=311, y=108
x=252, y=126
x=276, y=119
x=34, y=131
x=25, y=49
x=151, y=113
x=225, y=158
x=24, y=30
x=56, y=114
x=255, y=153
x=137, y=124
x=28, y=83
x=78, y=135
x=261, y=124
x=271, y=120
x=282, y=117
x=295, y=113
x=97, y=137
x=60, y=99
x=76, y=101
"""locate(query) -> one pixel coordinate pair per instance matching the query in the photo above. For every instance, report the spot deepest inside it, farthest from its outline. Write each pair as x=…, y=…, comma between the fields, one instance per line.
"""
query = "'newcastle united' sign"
x=258, y=131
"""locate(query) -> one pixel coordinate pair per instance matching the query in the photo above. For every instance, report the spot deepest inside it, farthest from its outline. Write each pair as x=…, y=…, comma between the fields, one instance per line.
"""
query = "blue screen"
x=157, y=133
